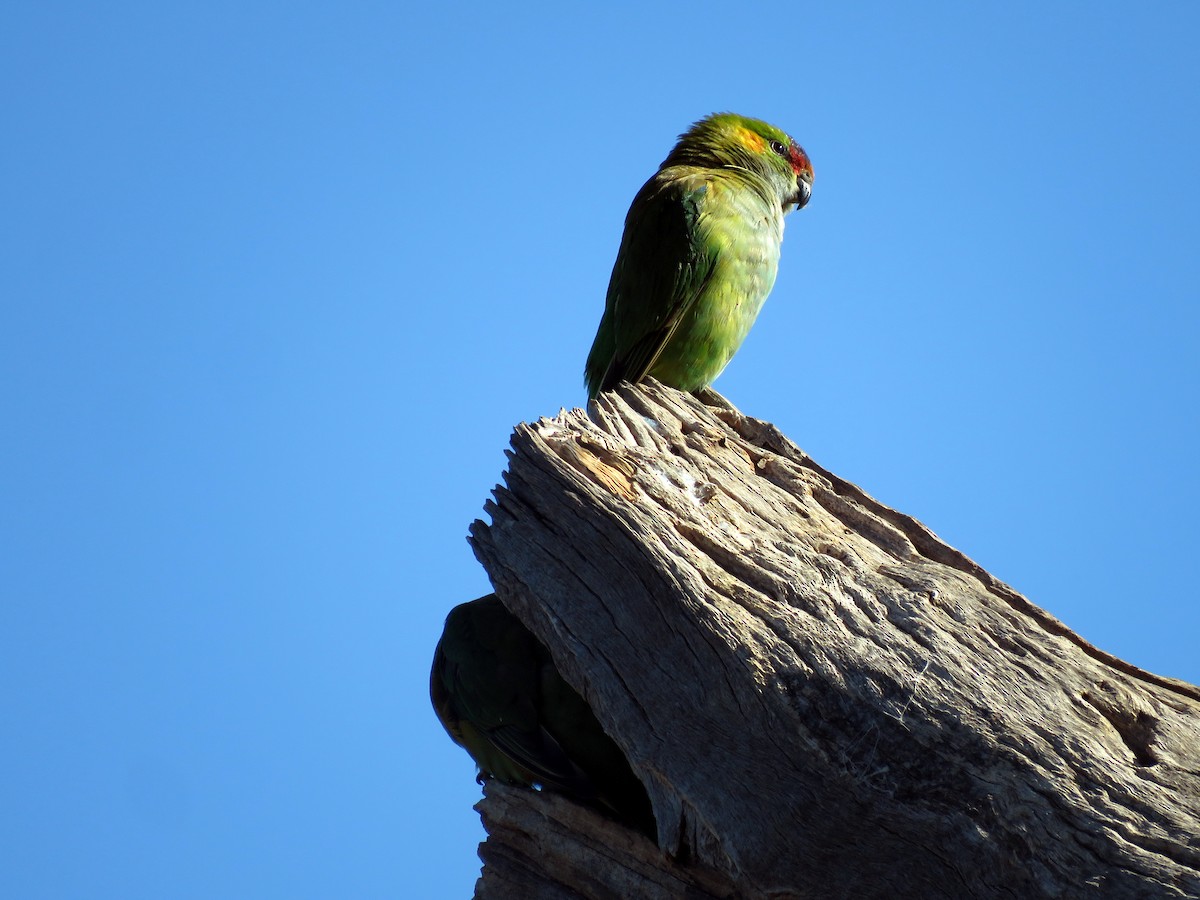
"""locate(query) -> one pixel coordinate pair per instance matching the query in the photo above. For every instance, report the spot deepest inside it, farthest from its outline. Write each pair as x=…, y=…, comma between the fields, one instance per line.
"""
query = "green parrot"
x=499, y=695
x=699, y=254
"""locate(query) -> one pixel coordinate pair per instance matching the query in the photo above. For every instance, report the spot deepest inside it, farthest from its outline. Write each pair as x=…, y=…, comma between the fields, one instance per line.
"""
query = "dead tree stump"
x=822, y=698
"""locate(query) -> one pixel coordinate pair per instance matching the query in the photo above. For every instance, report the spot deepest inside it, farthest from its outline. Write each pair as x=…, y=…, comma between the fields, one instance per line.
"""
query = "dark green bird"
x=699, y=254
x=498, y=694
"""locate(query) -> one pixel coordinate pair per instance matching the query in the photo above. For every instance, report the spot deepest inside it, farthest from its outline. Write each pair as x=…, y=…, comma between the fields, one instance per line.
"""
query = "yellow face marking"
x=752, y=141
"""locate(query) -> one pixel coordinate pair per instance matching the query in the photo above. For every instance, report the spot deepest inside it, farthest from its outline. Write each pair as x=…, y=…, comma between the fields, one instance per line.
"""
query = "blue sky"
x=277, y=281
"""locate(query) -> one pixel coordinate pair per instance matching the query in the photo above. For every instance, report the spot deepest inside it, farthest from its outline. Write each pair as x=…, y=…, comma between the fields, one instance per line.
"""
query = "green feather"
x=699, y=255
x=498, y=694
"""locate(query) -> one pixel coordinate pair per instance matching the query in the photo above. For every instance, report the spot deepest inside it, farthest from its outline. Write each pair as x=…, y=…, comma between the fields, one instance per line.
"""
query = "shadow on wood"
x=821, y=698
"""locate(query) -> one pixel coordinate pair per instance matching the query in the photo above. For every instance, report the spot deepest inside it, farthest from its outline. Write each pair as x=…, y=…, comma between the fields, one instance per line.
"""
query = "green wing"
x=663, y=266
x=486, y=687
x=498, y=694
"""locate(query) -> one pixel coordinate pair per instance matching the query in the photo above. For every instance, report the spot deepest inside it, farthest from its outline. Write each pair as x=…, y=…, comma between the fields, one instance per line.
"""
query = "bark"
x=821, y=697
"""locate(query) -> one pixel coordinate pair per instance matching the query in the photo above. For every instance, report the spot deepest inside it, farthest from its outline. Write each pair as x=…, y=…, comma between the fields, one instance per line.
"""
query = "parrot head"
x=730, y=141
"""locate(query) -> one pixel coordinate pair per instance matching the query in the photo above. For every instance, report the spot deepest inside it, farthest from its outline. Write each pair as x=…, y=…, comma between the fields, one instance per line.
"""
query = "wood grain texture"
x=544, y=846
x=822, y=698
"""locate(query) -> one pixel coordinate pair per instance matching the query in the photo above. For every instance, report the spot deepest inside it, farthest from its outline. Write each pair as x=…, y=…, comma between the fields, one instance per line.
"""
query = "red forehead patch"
x=799, y=158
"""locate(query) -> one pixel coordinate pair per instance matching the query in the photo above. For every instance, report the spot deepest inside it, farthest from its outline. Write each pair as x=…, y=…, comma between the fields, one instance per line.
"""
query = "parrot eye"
x=779, y=148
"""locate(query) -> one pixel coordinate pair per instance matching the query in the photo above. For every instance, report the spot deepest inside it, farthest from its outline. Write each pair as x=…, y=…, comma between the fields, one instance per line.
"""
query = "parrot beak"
x=803, y=189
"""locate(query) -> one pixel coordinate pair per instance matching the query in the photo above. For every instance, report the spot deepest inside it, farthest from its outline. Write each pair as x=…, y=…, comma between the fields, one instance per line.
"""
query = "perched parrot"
x=499, y=696
x=699, y=254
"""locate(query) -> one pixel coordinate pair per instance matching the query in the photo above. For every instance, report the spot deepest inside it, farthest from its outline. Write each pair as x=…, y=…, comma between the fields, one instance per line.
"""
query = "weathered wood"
x=822, y=698
x=544, y=847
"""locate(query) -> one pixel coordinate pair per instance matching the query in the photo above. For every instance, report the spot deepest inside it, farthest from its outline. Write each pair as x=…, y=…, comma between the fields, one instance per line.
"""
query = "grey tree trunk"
x=822, y=698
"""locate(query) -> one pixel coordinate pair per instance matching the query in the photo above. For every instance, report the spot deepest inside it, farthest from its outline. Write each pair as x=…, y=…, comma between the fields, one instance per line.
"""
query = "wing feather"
x=663, y=267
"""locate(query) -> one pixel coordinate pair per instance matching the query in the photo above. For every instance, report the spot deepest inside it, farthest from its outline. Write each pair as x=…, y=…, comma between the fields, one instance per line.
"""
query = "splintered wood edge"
x=769, y=439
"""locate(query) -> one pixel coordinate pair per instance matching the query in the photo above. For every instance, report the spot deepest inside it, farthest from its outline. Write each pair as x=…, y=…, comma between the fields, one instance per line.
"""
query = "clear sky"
x=277, y=280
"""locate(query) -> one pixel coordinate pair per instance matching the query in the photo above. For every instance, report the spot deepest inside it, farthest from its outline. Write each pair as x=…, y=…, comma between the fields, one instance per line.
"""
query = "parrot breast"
x=742, y=235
